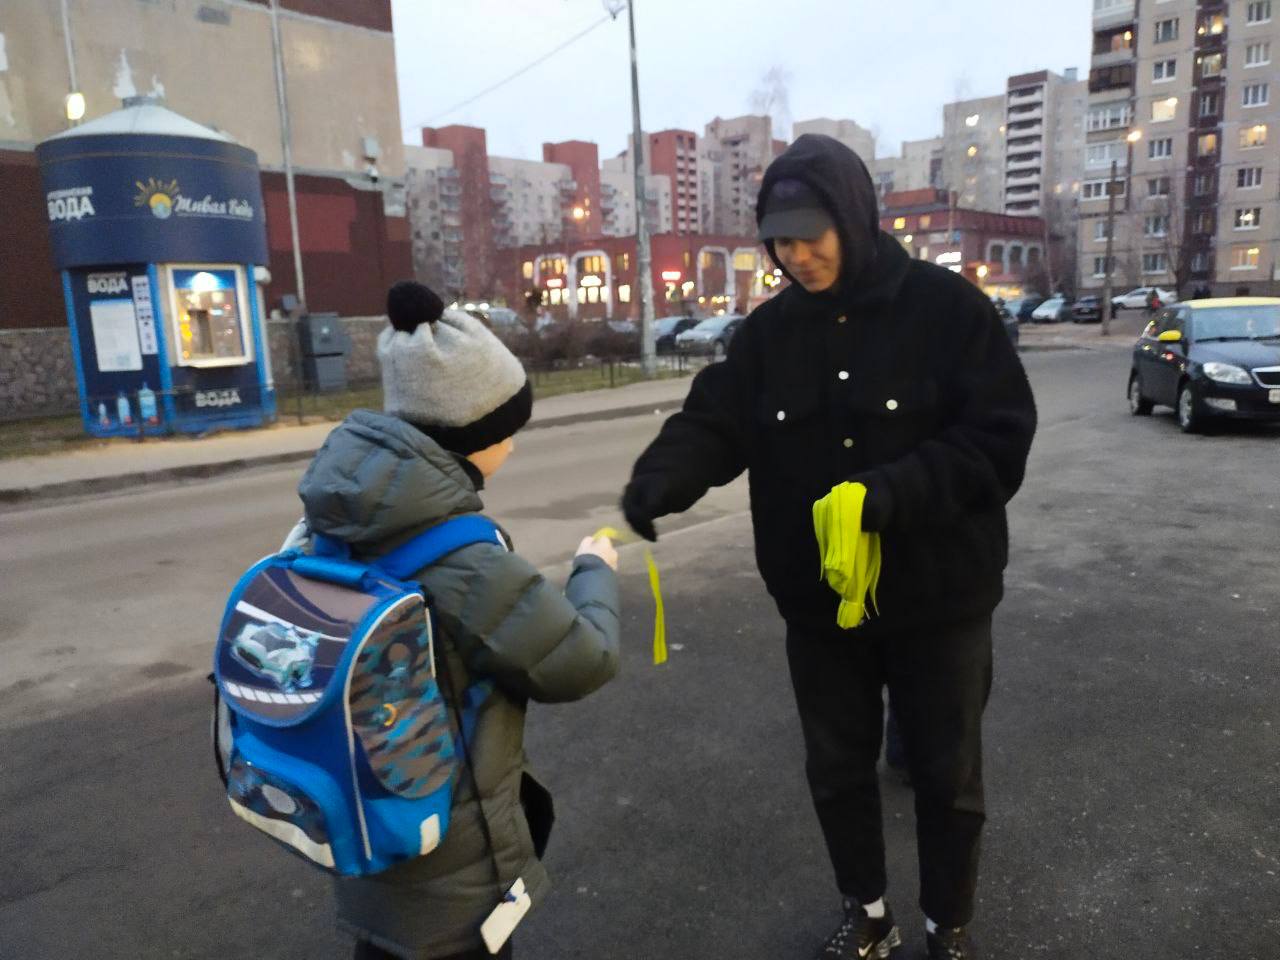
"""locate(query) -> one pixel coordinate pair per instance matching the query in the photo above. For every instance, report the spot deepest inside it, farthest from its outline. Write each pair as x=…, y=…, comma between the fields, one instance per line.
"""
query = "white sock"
x=875, y=910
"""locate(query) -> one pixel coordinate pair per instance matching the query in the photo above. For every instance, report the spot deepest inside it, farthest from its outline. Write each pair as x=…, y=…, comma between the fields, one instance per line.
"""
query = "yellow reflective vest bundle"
x=850, y=556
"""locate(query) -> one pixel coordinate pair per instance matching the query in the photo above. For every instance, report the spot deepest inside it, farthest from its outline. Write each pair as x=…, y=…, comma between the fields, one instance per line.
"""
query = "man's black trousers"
x=938, y=681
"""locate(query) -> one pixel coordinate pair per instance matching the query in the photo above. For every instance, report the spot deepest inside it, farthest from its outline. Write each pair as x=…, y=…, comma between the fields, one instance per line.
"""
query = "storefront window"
x=208, y=321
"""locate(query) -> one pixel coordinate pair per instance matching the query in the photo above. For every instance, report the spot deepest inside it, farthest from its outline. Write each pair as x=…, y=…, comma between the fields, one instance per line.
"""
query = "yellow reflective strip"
x=655, y=584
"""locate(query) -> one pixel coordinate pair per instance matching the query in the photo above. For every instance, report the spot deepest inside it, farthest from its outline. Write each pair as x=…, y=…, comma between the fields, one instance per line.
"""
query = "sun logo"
x=157, y=195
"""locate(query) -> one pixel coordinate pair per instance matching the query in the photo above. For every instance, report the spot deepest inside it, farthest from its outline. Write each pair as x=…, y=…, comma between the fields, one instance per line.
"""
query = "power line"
x=523, y=70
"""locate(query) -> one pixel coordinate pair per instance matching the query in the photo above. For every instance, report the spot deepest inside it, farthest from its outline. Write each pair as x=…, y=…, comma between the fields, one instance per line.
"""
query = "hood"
x=377, y=478
x=1241, y=353
x=842, y=180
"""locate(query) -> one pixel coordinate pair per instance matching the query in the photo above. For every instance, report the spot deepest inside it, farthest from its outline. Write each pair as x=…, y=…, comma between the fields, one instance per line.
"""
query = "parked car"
x=1210, y=359
x=711, y=336
x=1022, y=307
x=1136, y=299
x=1087, y=310
x=666, y=329
x=1053, y=310
x=1008, y=319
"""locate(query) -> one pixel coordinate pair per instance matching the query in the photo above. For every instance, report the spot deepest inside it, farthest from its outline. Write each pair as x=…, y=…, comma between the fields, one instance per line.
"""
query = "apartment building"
x=737, y=150
x=1044, y=139
x=672, y=156
x=1185, y=96
x=973, y=164
x=857, y=138
x=618, y=200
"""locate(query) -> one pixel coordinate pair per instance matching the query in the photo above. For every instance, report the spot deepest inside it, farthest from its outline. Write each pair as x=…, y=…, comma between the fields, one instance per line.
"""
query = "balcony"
x=1110, y=58
x=1028, y=163
x=1028, y=208
x=1014, y=194
x=1027, y=99
x=1113, y=13
x=1013, y=181
x=1023, y=115
x=1030, y=132
x=1117, y=77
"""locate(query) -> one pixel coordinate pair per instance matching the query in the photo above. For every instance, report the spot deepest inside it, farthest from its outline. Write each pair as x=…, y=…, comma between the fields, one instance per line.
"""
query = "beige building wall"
x=973, y=152
x=1237, y=120
x=739, y=149
x=857, y=138
x=212, y=62
x=533, y=200
x=618, y=189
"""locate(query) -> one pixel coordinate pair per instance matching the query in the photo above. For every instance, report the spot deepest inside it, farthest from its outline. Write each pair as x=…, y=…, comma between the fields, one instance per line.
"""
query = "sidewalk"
x=117, y=464
x=1125, y=329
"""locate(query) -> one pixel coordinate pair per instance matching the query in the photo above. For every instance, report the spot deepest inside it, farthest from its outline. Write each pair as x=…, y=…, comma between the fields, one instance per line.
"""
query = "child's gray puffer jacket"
x=376, y=483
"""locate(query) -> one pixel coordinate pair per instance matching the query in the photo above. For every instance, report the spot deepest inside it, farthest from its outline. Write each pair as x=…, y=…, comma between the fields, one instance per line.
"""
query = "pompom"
x=410, y=304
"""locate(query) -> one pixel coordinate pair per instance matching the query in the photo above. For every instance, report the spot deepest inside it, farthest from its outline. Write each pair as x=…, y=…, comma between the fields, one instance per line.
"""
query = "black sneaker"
x=861, y=937
x=950, y=945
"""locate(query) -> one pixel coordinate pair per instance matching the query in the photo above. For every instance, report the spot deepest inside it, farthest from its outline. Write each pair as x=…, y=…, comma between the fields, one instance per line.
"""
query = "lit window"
x=1213, y=26
x=1208, y=145
x=1245, y=258
x=925, y=221
x=1211, y=65
x=1164, y=110
x=900, y=223
x=972, y=151
x=1256, y=95
x=526, y=269
x=1255, y=136
x=556, y=296
x=971, y=121
x=1248, y=218
x=624, y=293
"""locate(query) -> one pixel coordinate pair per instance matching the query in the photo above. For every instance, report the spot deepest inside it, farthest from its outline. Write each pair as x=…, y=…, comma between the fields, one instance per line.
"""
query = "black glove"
x=877, y=508
x=643, y=502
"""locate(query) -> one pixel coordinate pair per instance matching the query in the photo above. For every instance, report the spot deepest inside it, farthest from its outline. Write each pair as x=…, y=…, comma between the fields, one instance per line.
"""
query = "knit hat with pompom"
x=447, y=374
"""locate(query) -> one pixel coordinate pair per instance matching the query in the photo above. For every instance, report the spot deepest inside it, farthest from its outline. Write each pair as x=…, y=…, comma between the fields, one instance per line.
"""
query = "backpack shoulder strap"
x=438, y=542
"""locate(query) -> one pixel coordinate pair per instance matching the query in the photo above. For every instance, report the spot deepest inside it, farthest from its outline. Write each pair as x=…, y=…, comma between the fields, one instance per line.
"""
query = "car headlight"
x=1226, y=373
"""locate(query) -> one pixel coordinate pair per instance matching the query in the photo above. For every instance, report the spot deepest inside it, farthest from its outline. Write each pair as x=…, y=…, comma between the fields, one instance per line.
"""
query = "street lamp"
x=1133, y=137
x=75, y=106
x=644, y=271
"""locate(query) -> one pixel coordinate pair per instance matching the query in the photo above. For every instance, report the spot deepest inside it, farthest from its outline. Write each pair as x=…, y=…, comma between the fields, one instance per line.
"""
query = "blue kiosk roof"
x=147, y=185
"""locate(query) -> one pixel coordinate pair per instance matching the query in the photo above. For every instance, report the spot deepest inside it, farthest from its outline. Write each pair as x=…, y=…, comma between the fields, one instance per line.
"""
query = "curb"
x=15, y=496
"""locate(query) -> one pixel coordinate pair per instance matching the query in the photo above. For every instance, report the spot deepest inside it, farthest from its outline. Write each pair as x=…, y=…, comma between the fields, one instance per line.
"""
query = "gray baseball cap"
x=794, y=209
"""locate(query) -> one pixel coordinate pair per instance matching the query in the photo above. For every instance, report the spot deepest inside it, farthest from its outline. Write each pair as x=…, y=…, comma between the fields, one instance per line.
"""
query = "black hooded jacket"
x=903, y=380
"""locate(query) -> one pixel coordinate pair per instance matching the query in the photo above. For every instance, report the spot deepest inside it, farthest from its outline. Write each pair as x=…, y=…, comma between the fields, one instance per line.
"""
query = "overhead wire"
x=519, y=73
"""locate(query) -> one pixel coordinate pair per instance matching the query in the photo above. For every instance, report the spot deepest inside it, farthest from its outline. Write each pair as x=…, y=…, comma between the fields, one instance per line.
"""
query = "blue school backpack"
x=334, y=737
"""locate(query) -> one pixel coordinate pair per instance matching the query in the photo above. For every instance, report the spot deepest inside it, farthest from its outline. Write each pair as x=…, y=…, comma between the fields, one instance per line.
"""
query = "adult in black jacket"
x=876, y=368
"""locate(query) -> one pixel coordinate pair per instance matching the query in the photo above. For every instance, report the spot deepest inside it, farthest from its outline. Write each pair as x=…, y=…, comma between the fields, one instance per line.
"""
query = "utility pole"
x=644, y=271
x=286, y=143
x=1111, y=229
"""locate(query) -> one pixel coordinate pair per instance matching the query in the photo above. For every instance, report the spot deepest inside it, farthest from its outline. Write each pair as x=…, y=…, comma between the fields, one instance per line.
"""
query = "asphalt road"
x=1133, y=738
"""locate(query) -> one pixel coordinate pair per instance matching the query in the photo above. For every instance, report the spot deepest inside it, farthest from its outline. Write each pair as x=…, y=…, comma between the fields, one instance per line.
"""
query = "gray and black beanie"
x=447, y=374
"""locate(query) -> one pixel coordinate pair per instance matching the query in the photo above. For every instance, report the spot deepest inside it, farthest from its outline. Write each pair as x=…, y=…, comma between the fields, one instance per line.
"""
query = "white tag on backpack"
x=497, y=929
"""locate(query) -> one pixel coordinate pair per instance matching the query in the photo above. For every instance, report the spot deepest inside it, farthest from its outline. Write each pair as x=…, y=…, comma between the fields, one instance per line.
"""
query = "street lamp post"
x=644, y=272
x=1108, y=264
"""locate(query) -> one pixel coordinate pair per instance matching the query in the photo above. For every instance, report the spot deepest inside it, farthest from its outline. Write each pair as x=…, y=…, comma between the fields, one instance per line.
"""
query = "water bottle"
x=104, y=421
x=123, y=410
x=147, y=406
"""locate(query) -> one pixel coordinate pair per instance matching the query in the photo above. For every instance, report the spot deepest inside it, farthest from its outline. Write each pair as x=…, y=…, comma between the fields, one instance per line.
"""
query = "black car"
x=1210, y=359
x=666, y=329
x=1087, y=310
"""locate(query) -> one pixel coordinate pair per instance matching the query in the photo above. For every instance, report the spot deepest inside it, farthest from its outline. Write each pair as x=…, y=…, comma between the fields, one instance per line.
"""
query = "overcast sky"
x=890, y=66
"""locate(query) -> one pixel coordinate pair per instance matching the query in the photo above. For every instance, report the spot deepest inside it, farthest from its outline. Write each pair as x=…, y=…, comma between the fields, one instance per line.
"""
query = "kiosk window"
x=209, y=324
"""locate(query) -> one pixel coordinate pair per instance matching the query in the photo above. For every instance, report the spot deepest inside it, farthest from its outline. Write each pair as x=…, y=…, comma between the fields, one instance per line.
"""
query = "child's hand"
x=601, y=547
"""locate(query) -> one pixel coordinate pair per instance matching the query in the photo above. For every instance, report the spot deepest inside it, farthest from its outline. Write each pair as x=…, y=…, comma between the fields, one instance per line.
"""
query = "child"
x=454, y=397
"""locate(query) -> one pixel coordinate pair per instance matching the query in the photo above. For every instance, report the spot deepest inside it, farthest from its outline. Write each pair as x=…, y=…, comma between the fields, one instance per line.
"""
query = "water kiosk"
x=157, y=225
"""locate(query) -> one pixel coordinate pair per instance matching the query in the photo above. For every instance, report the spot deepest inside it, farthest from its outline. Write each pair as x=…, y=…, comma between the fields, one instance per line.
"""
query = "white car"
x=1137, y=299
x=1053, y=310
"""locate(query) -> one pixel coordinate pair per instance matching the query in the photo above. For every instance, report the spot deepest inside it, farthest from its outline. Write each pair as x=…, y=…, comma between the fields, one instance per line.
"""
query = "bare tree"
x=772, y=98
